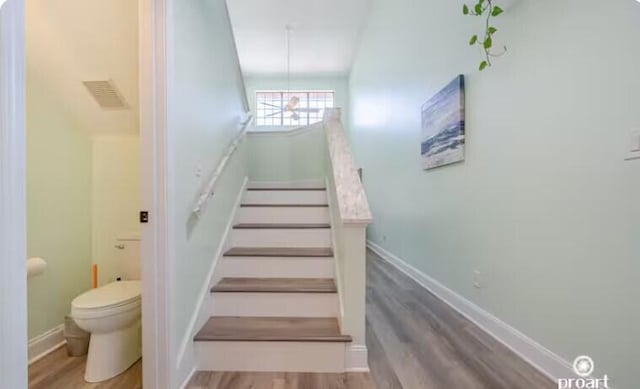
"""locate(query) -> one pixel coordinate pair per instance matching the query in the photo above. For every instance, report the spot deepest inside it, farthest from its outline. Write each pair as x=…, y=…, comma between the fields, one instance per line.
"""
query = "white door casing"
x=13, y=253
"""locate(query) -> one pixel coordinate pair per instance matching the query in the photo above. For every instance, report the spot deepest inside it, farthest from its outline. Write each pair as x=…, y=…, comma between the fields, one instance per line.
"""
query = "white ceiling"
x=324, y=38
x=72, y=41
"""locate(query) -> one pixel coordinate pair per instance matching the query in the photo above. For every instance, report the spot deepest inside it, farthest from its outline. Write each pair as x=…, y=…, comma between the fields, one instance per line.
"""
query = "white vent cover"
x=106, y=94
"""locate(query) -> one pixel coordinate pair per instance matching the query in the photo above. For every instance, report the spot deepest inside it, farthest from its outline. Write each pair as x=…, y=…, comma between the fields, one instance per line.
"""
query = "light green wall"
x=544, y=206
x=337, y=83
x=282, y=156
x=205, y=109
x=115, y=205
x=58, y=204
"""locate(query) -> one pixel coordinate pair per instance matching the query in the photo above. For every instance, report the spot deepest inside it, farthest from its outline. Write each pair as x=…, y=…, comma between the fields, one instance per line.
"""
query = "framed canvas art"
x=443, y=126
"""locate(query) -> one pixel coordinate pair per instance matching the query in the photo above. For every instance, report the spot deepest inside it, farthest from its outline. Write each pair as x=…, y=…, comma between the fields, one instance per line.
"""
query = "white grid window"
x=295, y=108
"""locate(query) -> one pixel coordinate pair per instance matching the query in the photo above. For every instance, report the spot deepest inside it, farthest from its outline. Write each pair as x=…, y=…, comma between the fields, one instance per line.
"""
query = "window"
x=295, y=108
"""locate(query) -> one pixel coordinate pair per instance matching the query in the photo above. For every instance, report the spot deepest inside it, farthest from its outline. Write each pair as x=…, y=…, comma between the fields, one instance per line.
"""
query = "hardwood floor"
x=230, y=380
x=275, y=285
x=59, y=371
x=415, y=341
x=281, y=329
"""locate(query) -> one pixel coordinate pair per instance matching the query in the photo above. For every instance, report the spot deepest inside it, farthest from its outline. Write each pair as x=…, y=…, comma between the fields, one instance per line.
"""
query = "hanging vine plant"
x=488, y=10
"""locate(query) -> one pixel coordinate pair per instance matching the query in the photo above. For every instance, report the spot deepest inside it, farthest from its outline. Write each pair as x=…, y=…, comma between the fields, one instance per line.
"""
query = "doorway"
x=13, y=193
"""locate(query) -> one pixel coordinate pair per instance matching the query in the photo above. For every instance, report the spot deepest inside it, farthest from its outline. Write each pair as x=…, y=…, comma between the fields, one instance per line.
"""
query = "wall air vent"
x=106, y=94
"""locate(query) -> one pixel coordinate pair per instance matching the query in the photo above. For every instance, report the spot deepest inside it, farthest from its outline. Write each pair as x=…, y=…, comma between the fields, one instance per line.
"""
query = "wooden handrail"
x=207, y=193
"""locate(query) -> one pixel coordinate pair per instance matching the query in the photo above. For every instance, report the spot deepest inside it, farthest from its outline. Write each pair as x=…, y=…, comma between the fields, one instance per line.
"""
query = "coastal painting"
x=443, y=126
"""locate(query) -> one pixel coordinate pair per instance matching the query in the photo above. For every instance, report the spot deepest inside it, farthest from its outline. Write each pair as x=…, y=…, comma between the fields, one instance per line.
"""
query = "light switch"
x=635, y=141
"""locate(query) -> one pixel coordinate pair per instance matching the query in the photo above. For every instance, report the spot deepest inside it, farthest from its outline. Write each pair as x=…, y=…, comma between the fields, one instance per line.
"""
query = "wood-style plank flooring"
x=59, y=371
x=415, y=341
x=230, y=380
x=275, y=285
x=268, y=329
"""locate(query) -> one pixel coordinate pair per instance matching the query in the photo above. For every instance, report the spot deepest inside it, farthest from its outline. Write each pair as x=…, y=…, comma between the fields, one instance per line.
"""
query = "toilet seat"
x=107, y=300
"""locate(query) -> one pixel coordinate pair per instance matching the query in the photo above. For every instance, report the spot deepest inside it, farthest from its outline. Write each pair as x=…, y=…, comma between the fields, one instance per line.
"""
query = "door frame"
x=156, y=242
x=156, y=285
x=13, y=214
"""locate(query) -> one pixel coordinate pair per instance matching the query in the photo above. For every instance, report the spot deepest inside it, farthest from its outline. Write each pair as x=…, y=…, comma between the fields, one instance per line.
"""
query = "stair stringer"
x=187, y=354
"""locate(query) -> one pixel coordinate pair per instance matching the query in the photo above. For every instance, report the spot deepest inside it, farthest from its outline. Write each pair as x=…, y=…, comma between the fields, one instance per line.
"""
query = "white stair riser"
x=285, y=197
x=319, y=183
x=276, y=267
x=281, y=237
x=317, y=357
x=308, y=215
x=275, y=304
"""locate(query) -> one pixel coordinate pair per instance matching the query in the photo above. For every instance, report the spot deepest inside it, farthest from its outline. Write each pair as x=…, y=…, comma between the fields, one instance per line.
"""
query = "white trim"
x=188, y=379
x=293, y=184
x=13, y=242
x=356, y=359
x=157, y=287
x=202, y=311
x=44, y=344
x=287, y=131
x=544, y=360
x=336, y=258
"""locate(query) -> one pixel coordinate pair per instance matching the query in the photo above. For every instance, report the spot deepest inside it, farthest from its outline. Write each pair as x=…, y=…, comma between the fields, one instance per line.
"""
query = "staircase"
x=275, y=305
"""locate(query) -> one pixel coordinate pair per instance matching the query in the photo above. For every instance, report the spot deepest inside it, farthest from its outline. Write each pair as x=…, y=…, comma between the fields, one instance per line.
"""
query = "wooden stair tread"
x=275, y=285
x=282, y=329
x=286, y=189
x=283, y=226
x=279, y=252
x=290, y=205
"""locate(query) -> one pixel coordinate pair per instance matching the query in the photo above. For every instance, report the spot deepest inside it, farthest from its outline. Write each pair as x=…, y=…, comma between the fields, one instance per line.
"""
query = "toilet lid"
x=115, y=293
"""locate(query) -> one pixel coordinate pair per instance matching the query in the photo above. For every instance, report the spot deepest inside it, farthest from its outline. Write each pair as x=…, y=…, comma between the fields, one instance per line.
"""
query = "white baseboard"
x=43, y=345
x=357, y=359
x=544, y=360
x=186, y=357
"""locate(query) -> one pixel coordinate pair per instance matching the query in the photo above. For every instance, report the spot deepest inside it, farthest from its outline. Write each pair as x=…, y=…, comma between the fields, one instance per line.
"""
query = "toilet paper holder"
x=35, y=267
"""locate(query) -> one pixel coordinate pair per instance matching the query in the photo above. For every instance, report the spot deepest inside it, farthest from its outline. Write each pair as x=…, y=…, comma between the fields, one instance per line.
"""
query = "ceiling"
x=323, y=41
x=72, y=41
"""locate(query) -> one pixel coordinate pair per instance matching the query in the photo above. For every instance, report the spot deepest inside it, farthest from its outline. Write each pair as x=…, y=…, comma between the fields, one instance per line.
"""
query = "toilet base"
x=112, y=353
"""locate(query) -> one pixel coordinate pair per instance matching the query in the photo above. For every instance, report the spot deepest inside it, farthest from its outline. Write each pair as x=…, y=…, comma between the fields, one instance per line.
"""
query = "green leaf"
x=488, y=43
x=478, y=9
x=492, y=30
x=496, y=11
x=465, y=9
x=474, y=40
x=483, y=65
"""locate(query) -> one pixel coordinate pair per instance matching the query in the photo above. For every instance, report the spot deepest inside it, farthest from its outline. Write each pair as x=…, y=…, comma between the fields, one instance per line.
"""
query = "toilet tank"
x=130, y=254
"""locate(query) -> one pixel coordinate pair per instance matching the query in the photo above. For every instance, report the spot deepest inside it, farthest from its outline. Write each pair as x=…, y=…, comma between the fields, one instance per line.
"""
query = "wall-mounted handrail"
x=208, y=191
x=351, y=198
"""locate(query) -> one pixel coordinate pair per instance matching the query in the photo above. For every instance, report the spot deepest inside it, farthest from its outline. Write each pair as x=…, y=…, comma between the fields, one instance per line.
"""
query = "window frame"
x=303, y=122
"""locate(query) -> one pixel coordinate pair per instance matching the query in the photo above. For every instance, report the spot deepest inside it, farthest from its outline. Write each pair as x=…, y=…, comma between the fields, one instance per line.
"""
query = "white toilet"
x=112, y=315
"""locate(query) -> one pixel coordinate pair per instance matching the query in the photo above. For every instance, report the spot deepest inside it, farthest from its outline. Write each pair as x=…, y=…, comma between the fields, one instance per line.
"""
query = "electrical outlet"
x=635, y=141
x=633, y=153
x=477, y=279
